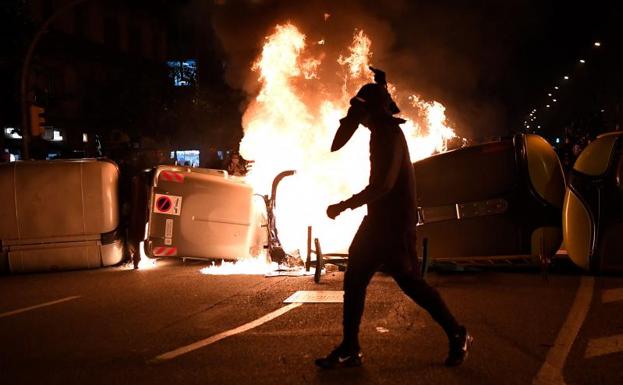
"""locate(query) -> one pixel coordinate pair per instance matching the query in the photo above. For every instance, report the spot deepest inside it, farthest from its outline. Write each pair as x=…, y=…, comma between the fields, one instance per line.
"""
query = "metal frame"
x=338, y=259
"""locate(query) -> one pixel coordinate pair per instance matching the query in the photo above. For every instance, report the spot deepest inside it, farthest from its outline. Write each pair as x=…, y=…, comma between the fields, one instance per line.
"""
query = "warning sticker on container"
x=168, y=204
x=168, y=228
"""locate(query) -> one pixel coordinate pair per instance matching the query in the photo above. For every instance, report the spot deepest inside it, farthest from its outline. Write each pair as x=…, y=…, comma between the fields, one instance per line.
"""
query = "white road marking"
x=25, y=309
x=217, y=337
x=551, y=371
x=602, y=346
x=316, y=296
x=612, y=295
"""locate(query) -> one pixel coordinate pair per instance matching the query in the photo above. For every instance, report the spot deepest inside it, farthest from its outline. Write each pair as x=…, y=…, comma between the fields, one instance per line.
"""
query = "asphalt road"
x=112, y=323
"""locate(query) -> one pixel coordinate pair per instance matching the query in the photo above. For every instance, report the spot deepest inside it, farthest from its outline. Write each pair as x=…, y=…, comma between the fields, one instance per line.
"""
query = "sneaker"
x=340, y=357
x=460, y=344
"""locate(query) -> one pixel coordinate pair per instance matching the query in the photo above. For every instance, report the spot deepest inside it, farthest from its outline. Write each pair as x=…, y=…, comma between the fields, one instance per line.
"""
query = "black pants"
x=376, y=244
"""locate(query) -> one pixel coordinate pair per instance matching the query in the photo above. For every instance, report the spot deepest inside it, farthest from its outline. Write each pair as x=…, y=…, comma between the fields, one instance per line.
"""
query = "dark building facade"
x=103, y=74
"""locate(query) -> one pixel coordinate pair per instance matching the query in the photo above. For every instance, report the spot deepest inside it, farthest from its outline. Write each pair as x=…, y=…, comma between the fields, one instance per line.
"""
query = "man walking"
x=387, y=234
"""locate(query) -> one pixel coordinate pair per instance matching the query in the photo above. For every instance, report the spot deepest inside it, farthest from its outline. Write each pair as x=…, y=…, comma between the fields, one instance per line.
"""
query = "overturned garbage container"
x=59, y=215
x=201, y=213
x=593, y=210
x=498, y=202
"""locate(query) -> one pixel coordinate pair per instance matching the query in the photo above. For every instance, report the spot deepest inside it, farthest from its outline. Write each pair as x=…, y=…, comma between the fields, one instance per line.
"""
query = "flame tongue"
x=247, y=267
x=290, y=125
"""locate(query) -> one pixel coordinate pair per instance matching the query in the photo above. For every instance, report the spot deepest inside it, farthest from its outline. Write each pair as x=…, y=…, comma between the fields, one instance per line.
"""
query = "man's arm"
x=385, y=163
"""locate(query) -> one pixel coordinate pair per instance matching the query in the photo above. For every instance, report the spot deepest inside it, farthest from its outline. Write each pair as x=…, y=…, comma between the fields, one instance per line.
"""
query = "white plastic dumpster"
x=201, y=213
x=59, y=215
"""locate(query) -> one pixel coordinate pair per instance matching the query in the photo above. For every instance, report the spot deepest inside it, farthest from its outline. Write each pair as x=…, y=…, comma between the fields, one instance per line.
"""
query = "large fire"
x=290, y=124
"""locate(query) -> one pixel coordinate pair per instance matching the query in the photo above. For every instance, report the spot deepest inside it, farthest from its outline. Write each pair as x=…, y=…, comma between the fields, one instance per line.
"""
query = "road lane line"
x=612, y=295
x=217, y=337
x=605, y=345
x=25, y=309
x=551, y=371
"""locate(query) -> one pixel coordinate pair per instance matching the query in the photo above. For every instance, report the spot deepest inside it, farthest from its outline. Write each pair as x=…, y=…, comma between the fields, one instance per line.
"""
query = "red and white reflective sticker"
x=165, y=251
x=170, y=176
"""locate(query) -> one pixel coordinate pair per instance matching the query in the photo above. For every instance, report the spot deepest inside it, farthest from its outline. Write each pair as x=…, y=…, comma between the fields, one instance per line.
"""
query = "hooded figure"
x=372, y=101
x=387, y=234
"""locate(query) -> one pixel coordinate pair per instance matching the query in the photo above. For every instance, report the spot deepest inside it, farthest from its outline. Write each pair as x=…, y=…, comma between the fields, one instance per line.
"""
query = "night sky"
x=489, y=62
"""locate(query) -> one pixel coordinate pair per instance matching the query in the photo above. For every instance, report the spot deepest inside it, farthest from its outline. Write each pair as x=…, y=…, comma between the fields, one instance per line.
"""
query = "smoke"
x=444, y=53
x=242, y=26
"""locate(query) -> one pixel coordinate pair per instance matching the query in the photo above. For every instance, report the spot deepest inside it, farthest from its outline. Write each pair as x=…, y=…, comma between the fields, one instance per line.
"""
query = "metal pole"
x=319, y=261
x=309, y=248
x=425, y=259
x=25, y=78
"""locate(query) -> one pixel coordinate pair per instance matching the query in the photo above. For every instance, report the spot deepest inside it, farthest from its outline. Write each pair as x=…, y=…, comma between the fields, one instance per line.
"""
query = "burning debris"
x=257, y=266
x=291, y=121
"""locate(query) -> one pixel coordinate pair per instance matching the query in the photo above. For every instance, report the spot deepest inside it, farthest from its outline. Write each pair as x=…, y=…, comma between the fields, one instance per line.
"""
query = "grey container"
x=201, y=213
x=494, y=202
x=59, y=215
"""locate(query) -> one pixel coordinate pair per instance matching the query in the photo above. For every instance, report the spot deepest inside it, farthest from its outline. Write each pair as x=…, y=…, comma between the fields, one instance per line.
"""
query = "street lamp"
x=597, y=44
x=582, y=61
x=26, y=75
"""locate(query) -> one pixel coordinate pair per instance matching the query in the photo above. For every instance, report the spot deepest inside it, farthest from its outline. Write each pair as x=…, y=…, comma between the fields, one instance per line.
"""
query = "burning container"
x=58, y=215
x=498, y=201
x=201, y=213
x=593, y=209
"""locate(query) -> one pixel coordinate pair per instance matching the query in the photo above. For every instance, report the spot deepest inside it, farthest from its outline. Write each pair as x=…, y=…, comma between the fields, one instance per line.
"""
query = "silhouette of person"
x=387, y=234
x=236, y=165
x=212, y=160
x=5, y=156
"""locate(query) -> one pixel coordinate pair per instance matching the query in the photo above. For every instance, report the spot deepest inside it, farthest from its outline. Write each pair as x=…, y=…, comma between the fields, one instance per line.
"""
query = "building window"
x=183, y=73
x=11, y=133
x=186, y=157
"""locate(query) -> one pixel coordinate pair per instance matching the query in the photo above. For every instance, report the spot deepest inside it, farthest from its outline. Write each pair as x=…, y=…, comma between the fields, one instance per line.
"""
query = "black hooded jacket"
x=390, y=194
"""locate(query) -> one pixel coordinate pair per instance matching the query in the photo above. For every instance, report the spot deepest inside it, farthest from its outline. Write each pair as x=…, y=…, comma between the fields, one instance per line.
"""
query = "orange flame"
x=291, y=123
x=360, y=54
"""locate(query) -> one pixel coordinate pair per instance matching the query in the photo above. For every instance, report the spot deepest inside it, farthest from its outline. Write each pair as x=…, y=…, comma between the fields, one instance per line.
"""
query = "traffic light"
x=37, y=120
